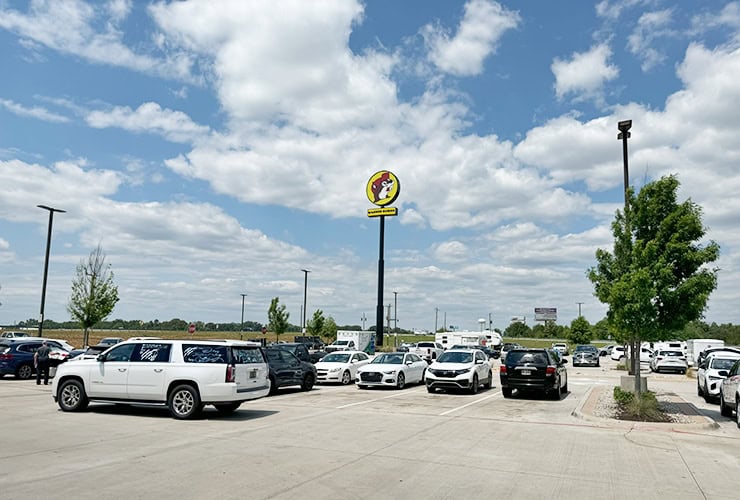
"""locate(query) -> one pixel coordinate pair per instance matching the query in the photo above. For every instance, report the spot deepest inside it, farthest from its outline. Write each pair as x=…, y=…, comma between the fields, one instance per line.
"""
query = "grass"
x=643, y=409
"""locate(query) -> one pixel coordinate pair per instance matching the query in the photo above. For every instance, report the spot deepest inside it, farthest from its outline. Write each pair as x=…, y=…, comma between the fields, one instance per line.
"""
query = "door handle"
x=157, y=370
x=121, y=370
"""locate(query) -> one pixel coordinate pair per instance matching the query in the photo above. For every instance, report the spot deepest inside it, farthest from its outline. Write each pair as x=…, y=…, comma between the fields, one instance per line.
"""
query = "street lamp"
x=395, y=312
x=305, y=286
x=579, y=308
x=46, y=262
x=241, y=330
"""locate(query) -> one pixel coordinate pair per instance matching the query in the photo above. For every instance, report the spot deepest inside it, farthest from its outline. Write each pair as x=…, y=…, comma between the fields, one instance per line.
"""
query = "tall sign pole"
x=382, y=189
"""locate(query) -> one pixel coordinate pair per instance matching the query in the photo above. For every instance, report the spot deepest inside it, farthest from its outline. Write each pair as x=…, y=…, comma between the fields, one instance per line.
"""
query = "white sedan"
x=340, y=366
x=392, y=369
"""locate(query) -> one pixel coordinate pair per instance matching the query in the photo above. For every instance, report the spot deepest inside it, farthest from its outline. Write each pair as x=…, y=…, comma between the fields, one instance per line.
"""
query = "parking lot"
x=338, y=440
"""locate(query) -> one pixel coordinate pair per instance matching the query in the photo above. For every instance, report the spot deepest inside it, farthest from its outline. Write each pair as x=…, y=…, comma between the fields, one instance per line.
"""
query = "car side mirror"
x=723, y=373
x=100, y=357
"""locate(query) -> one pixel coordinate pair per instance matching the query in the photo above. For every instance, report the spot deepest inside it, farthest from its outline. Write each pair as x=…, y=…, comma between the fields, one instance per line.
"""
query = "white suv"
x=708, y=378
x=460, y=369
x=184, y=375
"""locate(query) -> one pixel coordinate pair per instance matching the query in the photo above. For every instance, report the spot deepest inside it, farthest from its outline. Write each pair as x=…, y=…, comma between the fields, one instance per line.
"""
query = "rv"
x=486, y=338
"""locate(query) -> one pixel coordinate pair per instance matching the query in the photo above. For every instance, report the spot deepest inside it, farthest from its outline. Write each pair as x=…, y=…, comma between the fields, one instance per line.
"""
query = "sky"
x=214, y=149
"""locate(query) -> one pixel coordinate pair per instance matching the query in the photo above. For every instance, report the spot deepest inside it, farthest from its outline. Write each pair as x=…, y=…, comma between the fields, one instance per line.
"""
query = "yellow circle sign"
x=383, y=188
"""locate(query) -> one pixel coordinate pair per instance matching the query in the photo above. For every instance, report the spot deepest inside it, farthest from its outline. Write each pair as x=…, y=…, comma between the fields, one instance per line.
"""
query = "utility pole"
x=579, y=308
x=241, y=330
x=436, y=313
x=395, y=312
x=363, y=318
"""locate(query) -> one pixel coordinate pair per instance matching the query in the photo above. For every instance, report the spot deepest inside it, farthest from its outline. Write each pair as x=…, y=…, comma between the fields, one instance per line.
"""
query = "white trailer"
x=448, y=339
x=696, y=346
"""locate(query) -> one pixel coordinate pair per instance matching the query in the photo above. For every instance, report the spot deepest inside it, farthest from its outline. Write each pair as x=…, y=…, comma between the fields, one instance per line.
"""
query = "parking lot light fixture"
x=46, y=263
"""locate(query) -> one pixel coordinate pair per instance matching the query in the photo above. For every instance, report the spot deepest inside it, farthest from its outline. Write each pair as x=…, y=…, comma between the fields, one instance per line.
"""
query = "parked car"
x=312, y=342
x=16, y=358
x=706, y=352
x=340, y=366
x=668, y=360
x=286, y=369
x=561, y=347
x=708, y=378
x=300, y=351
x=392, y=369
x=606, y=350
x=109, y=341
x=586, y=354
x=507, y=347
x=729, y=396
x=618, y=352
x=91, y=352
x=183, y=375
x=428, y=351
x=13, y=335
x=466, y=369
x=536, y=370
x=341, y=345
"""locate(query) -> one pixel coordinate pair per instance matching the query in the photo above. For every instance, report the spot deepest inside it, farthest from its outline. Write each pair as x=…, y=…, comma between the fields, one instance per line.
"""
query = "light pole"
x=305, y=286
x=46, y=262
x=241, y=330
x=395, y=312
x=579, y=308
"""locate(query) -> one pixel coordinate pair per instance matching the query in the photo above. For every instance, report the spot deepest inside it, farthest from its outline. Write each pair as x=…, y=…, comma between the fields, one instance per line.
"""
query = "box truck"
x=695, y=347
x=353, y=340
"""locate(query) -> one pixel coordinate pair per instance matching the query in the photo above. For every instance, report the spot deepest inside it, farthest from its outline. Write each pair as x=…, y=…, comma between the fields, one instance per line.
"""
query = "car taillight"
x=502, y=369
x=550, y=370
x=230, y=373
x=6, y=357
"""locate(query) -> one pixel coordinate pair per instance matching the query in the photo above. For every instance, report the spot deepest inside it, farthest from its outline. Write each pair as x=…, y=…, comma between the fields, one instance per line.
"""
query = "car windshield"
x=336, y=357
x=722, y=363
x=585, y=348
x=455, y=357
x=341, y=342
x=389, y=359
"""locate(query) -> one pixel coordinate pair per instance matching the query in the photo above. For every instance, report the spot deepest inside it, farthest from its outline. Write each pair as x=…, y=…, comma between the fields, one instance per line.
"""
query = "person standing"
x=41, y=362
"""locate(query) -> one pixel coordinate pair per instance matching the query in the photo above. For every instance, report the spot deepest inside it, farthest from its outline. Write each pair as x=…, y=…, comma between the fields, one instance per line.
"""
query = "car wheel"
x=699, y=392
x=506, y=391
x=273, y=387
x=184, y=402
x=308, y=382
x=423, y=376
x=555, y=392
x=737, y=410
x=401, y=381
x=227, y=408
x=564, y=388
x=598, y=364
x=430, y=389
x=346, y=377
x=725, y=411
x=71, y=396
x=489, y=383
x=707, y=396
x=24, y=372
x=360, y=386
x=474, y=385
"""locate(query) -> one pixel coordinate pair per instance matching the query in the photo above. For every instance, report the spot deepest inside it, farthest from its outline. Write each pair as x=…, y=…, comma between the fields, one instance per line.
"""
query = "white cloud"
x=175, y=126
x=478, y=34
x=34, y=112
x=584, y=74
x=650, y=27
x=450, y=251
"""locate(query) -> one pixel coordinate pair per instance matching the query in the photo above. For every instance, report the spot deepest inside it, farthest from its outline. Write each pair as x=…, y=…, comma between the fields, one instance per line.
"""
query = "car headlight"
x=714, y=377
x=389, y=372
x=334, y=370
x=460, y=372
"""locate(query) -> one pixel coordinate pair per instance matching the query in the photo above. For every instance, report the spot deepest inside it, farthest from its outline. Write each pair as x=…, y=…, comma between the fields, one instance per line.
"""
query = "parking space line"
x=470, y=404
x=376, y=399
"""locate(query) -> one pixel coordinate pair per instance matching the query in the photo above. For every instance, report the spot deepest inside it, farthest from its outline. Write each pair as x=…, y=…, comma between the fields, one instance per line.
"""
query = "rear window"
x=521, y=357
x=199, y=353
x=246, y=355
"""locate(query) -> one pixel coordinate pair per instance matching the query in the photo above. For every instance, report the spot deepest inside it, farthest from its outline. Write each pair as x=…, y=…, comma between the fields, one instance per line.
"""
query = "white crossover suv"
x=466, y=369
x=183, y=375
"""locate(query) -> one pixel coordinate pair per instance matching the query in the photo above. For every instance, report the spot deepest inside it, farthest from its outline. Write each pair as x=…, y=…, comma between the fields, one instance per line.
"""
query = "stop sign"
x=191, y=328
x=264, y=330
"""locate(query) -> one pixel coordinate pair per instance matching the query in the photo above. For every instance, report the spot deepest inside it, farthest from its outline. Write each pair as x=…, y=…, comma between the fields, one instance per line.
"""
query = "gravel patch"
x=606, y=407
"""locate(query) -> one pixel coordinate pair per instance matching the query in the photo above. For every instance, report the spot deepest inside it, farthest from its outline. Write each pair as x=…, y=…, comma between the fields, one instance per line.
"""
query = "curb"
x=585, y=409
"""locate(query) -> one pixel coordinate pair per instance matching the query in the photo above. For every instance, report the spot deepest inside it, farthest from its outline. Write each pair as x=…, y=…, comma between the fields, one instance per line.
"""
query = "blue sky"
x=214, y=149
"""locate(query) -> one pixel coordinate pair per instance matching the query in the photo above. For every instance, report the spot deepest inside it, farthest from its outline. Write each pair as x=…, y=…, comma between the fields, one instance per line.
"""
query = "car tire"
x=555, y=392
x=71, y=395
x=431, y=389
x=346, y=377
x=401, y=381
x=308, y=382
x=184, y=402
x=737, y=410
x=699, y=392
x=564, y=388
x=506, y=391
x=227, y=408
x=489, y=383
x=707, y=396
x=725, y=411
x=423, y=376
x=24, y=371
x=360, y=386
x=273, y=387
x=474, y=384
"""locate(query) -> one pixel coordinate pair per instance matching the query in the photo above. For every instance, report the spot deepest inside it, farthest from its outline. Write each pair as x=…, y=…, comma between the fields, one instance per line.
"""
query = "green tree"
x=93, y=293
x=655, y=281
x=329, y=329
x=517, y=329
x=580, y=331
x=315, y=325
x=277, y=317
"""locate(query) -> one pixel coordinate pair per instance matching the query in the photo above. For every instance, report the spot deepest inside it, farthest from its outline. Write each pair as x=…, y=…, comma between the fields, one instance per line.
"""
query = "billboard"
x=545, y=314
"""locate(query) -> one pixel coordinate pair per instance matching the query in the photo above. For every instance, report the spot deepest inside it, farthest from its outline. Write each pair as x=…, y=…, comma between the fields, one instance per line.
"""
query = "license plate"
x=526, y=372
x=253, y=374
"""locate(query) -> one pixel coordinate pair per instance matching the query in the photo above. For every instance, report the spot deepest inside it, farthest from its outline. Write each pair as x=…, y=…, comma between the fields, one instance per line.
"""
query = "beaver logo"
x=383, y=188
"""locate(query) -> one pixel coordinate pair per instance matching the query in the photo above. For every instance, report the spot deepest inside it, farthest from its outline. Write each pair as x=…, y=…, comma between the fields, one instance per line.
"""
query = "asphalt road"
x=341, y=442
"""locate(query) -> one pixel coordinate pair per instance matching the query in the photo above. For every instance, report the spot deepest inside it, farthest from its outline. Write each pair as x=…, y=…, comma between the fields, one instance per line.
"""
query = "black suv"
x=286, y=369
x=536, y=370
x=300, y=351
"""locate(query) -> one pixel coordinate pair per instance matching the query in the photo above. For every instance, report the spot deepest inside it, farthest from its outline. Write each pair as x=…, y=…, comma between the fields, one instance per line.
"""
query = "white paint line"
x=470, y=404
x=400, y=393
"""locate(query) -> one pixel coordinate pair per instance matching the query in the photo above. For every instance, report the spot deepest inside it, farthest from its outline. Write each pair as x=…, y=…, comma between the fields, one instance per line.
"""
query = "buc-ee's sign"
x=382, y=190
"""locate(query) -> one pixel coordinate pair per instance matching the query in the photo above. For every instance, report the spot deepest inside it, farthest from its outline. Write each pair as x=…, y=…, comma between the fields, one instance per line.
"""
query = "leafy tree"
x=517, y=329
x=329, y=329
x=277, y=317
x=93, y=293
x=315, y=325
x=580, y=331
x=655, y=281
